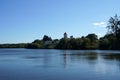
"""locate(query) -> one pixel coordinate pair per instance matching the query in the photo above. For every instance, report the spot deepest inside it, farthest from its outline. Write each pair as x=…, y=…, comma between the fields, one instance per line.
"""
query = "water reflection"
x=111, y=56
x=60, y=65
x=90, y=56
x=101, y=63
x=40, y=59
x=65, y=59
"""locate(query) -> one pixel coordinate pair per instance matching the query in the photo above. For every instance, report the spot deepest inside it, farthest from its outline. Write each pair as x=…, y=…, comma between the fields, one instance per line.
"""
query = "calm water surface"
x=28, y=64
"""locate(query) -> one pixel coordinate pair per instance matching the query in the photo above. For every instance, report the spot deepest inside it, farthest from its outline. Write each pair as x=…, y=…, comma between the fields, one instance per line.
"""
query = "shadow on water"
x=91, y=56
x=101, y=62
x=80, y=56
x=111, y=57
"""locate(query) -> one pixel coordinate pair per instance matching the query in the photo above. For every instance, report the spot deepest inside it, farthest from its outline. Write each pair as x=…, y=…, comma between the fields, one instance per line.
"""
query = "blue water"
x=44, y=64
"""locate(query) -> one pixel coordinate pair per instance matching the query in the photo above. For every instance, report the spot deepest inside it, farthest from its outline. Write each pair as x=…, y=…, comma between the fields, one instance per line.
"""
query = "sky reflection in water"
x=28, y=64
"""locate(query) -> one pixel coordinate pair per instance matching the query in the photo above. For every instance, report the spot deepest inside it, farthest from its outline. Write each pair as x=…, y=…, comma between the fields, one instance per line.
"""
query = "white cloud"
x=99, y=24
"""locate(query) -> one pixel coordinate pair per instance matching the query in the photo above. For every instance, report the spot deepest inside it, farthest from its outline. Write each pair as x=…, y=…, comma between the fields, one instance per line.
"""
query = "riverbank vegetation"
x=109, y=42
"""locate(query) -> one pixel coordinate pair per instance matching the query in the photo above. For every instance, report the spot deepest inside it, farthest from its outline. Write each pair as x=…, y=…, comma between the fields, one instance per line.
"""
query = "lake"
x=50, y=64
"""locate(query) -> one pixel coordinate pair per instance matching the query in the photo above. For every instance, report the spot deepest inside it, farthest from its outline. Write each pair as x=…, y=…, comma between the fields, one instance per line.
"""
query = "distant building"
x=65, y=35
x=48, y=42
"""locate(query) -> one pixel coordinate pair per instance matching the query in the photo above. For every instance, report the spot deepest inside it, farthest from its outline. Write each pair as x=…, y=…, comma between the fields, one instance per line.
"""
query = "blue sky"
x=23, y=21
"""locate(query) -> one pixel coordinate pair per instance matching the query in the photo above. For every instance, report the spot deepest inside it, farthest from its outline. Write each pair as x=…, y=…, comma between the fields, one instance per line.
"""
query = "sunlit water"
x=44, y=64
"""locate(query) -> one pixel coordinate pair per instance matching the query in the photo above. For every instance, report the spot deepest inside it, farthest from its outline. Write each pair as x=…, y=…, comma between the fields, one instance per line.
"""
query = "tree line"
x=108, y=42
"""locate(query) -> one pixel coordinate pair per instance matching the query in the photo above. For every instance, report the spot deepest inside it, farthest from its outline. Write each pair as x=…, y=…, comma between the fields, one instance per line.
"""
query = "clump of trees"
x=109, y=42
x=88, y=42
x=45, y=43
x=112, y=39
x=20, y=45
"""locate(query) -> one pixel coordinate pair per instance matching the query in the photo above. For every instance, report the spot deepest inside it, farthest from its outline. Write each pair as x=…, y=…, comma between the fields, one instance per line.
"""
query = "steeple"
x=65, y=35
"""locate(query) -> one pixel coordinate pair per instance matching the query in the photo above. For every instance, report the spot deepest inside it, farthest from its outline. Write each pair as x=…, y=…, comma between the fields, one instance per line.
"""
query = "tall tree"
x=114, y=26
x=46, y=38
x=92, y=37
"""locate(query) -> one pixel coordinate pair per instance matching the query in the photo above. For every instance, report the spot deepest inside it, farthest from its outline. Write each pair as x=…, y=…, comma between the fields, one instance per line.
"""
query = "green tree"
x=109, y=41
x=92, y=37
x=104, y=44
x=85, y=43
x=93, y=41
x=63, y=44
x=46, y=38
x=114, y=28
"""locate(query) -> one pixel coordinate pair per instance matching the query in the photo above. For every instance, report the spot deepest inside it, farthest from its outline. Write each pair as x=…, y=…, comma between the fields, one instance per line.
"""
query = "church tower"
x=65, y=35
